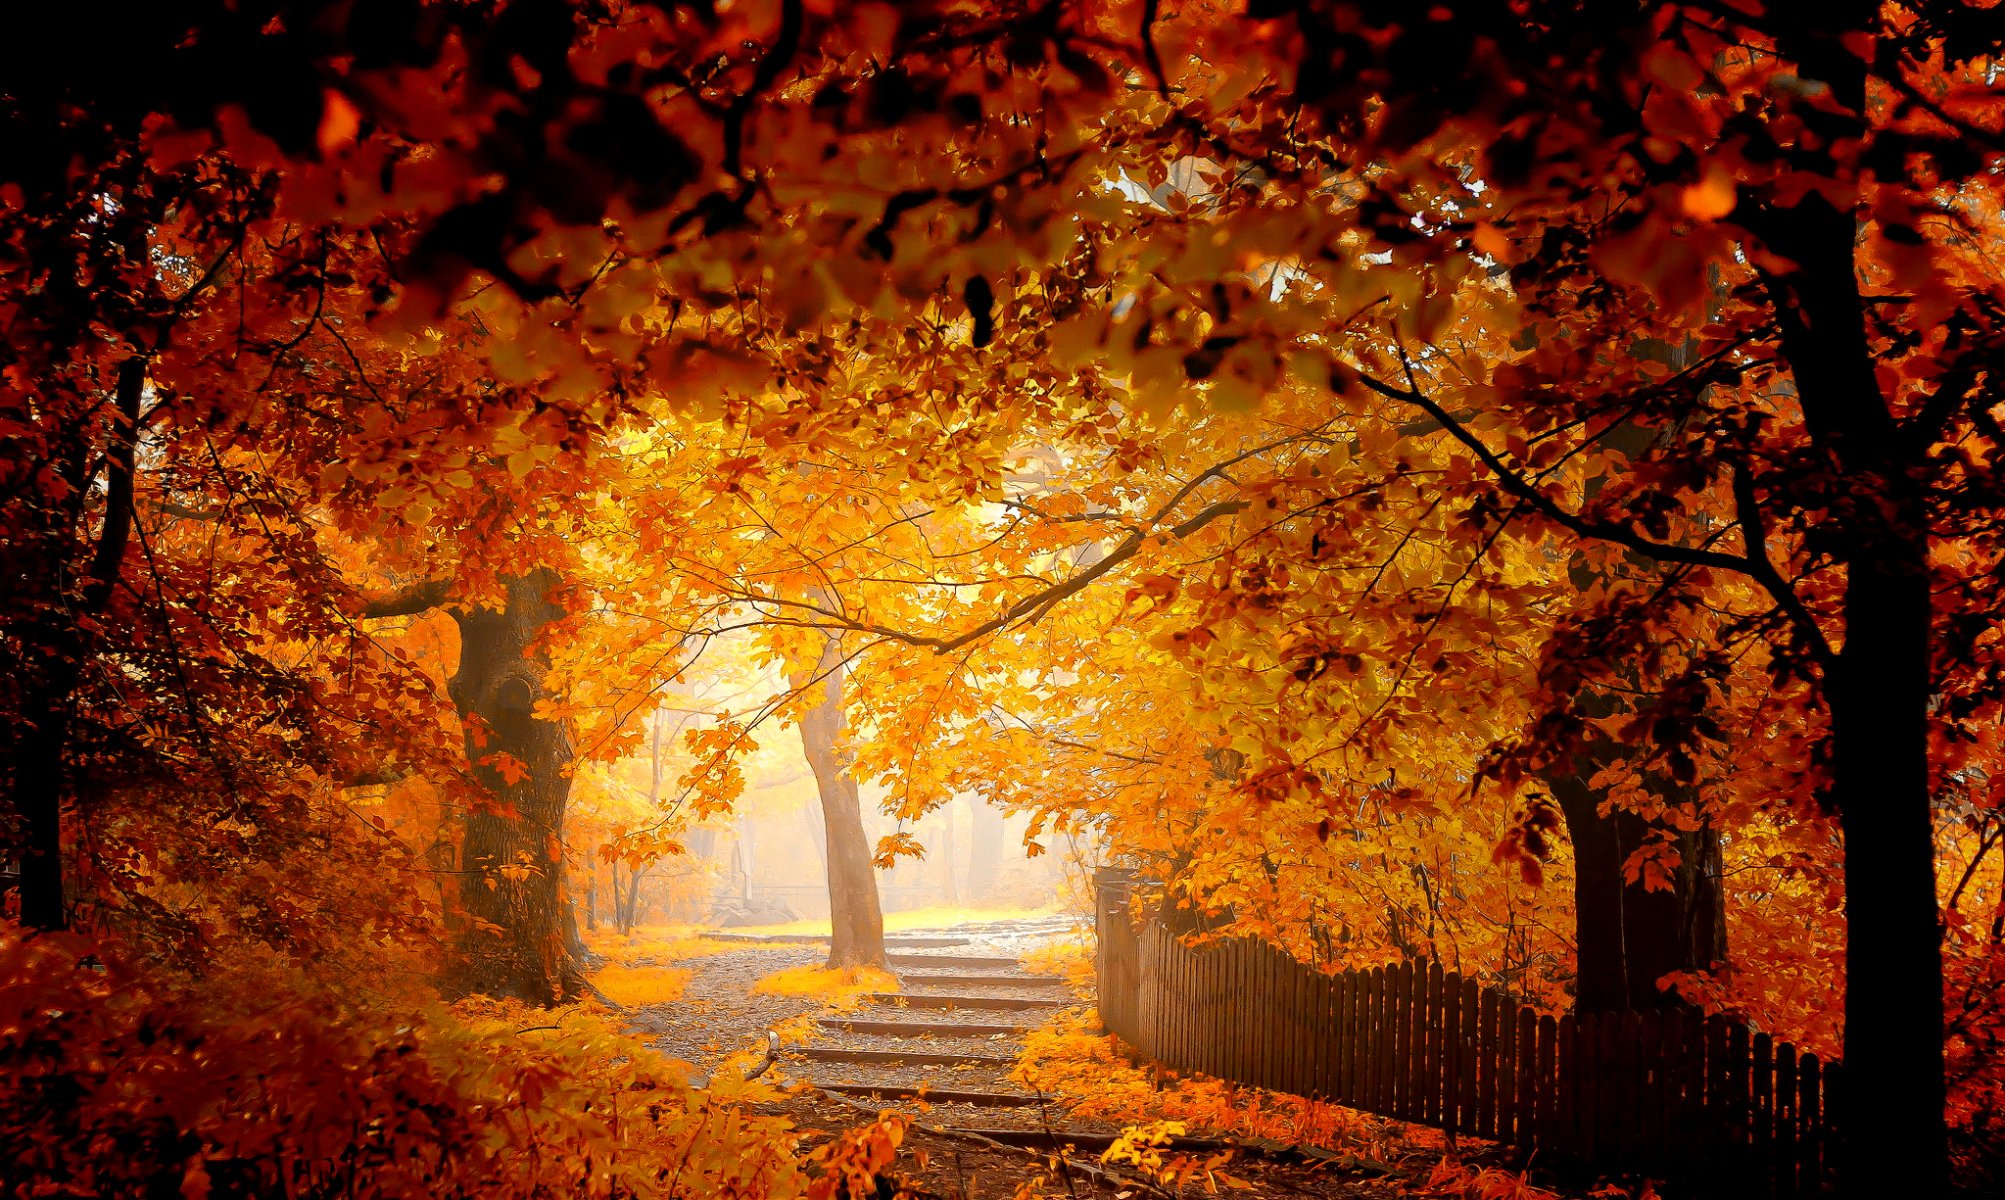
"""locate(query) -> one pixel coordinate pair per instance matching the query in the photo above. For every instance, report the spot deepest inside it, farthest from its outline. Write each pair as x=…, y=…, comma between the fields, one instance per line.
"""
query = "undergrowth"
x=125, y=1080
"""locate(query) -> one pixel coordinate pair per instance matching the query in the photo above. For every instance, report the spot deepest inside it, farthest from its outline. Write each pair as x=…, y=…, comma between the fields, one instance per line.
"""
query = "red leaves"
x=1528, y=840
x=511, y=769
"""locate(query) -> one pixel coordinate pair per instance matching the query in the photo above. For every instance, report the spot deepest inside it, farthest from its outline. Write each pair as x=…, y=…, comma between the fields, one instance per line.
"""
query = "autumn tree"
x=484, y=237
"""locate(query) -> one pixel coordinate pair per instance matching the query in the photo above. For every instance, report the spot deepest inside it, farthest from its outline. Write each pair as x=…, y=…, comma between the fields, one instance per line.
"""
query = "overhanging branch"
x=408, y=601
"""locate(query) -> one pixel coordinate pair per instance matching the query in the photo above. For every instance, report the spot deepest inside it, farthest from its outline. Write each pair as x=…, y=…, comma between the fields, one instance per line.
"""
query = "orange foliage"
x=256, y=1086
x=1090, y=1076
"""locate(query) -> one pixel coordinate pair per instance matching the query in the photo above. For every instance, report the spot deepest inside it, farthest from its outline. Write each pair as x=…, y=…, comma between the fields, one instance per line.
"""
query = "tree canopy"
x=1511, y=485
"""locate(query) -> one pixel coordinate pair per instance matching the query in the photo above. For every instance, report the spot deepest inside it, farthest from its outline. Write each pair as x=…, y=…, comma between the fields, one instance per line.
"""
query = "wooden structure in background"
x=1706, y=1102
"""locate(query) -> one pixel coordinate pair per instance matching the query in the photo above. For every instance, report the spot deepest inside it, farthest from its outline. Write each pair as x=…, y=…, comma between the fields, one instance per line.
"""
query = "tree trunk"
x=1626, y=936
x=986, y=835
x=52, y=667
x=39, y=769
x=817, y=836
x=855, y=920
x=514, y=944
x=1879, y=692
x=949, y=855
x=628, y=914
x=574, y=942
x=592, y=898
x=1893, y=959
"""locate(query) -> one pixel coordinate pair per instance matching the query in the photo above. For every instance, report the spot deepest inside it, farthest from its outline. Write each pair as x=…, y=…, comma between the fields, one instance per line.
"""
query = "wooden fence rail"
x=1703, y=1101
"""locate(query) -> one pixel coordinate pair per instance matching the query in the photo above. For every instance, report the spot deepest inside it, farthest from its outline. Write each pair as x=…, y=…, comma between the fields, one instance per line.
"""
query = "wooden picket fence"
x=1707, y=1103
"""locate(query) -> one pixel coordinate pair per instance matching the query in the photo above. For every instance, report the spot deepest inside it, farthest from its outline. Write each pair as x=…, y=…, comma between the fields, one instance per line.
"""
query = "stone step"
x=981, y=981
x=872, y=1091
x=992, y=1003
x=914, y=1057
x=919, y=1029
x=974, y=962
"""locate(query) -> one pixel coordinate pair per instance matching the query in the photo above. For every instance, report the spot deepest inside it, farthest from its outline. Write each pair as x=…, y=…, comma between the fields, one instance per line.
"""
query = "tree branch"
x=408, y=601
x=118, y=511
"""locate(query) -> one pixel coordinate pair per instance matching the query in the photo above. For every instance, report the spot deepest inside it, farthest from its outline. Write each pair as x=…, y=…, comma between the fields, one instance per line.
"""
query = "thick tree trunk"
x=855, y=919
x=574, y=942
x=1895, y=1141
x=1626, y=936
x=38, y=797
x=513, y=944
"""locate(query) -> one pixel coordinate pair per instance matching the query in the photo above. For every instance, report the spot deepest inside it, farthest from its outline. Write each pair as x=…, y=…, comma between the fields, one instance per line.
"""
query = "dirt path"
x=718, y=1013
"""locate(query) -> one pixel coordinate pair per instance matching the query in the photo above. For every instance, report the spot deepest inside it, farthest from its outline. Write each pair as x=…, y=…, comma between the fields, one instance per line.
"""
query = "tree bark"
x=41, y=752
x=513, y=945
x=1893, y=956
x=855, y=919
x=1880, y=688
x=1627, y=936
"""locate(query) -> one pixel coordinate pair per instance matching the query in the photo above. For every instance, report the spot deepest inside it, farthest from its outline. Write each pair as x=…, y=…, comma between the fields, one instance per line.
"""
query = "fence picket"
x=1466, y=1107
x=1669, y=1111
x=1416, y=1062
x=1566, y=1054
x=1486, y=1067
x=1649, y=1104
x=1526, y=1119
x=1452, y=1052
x=1809, y=1126
x=1546, y=1092
x=1786, y=1121
x=1587, y=1084
x=1346, y=1038
x=1302, y=1062
x=1762, y=1069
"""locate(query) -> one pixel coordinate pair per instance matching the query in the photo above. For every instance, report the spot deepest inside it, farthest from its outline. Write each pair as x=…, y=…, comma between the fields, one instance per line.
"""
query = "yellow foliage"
x=1070, y=961
x=638, y=986
x=1146, y=1148
x=840, y=988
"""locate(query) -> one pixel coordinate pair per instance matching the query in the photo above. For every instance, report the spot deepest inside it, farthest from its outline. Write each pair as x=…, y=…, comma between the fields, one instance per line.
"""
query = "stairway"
x=949, y=1036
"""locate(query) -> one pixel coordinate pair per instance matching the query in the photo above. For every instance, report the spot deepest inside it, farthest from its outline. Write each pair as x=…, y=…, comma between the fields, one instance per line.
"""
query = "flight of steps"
x=949, y=1035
